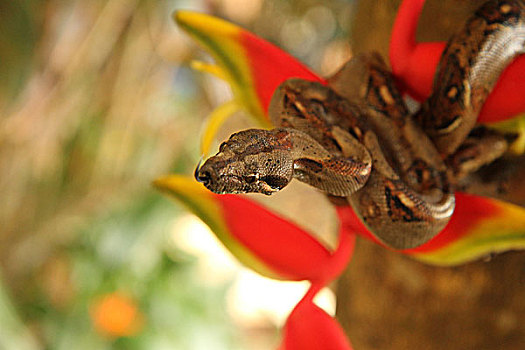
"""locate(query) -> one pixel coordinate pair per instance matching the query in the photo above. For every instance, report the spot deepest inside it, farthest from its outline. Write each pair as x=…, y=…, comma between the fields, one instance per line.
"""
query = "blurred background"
x=96, y=101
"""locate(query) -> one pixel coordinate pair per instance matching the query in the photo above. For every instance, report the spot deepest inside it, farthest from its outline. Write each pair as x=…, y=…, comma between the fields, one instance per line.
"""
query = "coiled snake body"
x=355, y=137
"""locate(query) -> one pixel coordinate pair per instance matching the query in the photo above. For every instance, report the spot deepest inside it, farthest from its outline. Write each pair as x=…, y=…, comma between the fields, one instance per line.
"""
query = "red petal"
x=507, y=98
x=310, y=328
x=253, y=67
x=414, y=64
x=283, y=246
x=271, y=66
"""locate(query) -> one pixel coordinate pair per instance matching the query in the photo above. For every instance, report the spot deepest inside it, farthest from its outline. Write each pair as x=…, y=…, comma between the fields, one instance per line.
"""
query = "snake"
x=354, y=137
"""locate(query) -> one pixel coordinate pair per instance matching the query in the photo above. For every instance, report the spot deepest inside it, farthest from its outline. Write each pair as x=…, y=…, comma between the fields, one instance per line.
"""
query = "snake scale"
x=355, y=138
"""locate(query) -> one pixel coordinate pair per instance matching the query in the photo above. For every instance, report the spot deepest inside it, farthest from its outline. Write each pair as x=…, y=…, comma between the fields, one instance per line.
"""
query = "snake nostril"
x=203, y=176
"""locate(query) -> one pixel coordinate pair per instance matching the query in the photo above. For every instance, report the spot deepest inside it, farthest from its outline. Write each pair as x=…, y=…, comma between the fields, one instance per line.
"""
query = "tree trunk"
x=388, y=301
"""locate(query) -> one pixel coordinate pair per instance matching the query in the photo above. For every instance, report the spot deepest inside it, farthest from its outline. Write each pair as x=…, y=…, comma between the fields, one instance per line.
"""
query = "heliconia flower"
x=280, y=249
x=414, y=64
x=116, y=315
x=276, y=248
x=258, y=238
x=253, y=67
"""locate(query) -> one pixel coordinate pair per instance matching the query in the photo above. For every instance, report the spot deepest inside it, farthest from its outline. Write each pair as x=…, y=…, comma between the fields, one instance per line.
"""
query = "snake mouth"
x=223, y=184
x=232, y=184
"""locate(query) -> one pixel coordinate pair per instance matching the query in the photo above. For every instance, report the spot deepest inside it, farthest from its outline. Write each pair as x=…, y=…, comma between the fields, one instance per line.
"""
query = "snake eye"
x=251, y=178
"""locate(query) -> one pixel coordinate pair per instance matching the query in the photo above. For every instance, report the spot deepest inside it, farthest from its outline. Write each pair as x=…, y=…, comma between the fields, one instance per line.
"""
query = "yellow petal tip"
x=201, y=22
x=177, y=184
x=160, y=183
x=208, y=68
x=224, y=41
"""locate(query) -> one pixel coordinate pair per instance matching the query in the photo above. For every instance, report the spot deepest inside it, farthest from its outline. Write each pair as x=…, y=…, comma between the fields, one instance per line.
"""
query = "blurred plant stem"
x=13, y=333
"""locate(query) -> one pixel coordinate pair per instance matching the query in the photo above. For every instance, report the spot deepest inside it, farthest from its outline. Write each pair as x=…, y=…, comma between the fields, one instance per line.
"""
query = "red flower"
x=414, y=65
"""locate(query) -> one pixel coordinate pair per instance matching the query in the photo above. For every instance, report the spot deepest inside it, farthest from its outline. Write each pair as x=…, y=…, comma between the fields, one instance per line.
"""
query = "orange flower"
x=116, y=315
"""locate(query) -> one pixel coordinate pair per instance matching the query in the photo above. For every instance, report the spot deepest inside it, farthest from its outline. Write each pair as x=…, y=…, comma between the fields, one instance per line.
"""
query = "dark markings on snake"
x=309, y=165
x=397, y=210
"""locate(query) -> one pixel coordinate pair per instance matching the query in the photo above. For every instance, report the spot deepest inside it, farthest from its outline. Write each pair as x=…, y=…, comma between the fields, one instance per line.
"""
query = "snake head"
x=252, y=160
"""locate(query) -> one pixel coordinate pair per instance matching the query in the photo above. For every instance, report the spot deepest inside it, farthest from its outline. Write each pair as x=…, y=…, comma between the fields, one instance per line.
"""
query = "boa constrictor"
x=355, y=137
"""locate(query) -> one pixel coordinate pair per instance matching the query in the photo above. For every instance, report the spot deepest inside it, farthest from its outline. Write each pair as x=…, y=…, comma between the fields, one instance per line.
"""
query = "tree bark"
x=388, y=301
